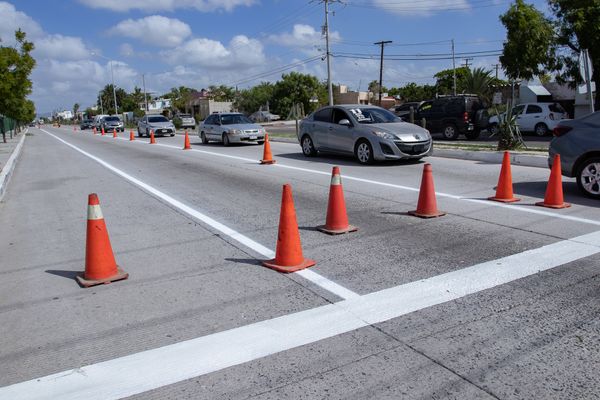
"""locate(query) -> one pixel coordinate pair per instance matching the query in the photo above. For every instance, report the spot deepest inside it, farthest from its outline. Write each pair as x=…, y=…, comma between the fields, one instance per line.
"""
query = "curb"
x=493, y=157
x=9, y=167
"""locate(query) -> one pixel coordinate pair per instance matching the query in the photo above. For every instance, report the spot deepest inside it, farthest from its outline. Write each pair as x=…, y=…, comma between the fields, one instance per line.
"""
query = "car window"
x=426, y=106
x=437, y=106
x=339, y=115
x=533, y=109
x=372, y=115
x=185, y=116
x=209, y=120
x=518, y=110
x=454, y=107
x=112, y=119
x=233, y=119
x=157, y=119
x=557, y=108
x=323, y=115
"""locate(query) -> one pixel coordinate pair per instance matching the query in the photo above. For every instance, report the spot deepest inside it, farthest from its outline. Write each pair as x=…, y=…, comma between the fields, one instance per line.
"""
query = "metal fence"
x=8, y=126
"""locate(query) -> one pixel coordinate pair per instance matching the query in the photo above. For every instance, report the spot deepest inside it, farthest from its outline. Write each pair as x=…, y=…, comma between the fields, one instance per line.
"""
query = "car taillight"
x=466, y=116
x=561, y=130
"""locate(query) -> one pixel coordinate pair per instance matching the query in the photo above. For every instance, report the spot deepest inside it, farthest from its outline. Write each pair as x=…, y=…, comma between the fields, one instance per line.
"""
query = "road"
x=491, y=301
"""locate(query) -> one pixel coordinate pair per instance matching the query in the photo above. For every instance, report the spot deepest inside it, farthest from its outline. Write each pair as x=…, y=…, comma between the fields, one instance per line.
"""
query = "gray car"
x=367, y=132
x=230, y=128
x=112, y=123
x=578, y=143
x=157, y=123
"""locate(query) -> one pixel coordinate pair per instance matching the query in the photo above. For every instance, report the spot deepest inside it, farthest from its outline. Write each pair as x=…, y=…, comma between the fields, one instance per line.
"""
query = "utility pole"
x=101, y=106
x=497, y=66
x=453, y=69
x=329, y=84
x=114, y=89
x=467, y=61
x=382, y=44
x=145, y=97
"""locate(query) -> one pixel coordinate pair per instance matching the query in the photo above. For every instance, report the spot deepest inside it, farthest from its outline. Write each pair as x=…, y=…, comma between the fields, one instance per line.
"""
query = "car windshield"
x=157, y=119
x=112, y=119
x=234, y=119
x=557, y=108
x=185, y=116
x=373, y=115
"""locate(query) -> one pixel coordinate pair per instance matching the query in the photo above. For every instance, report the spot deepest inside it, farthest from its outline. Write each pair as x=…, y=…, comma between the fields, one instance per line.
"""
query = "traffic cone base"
x=416, y=213
x=555, y=206
x=513, y=200
x=120, y=275
x=268, y=161
x=348, y=229
x=306, y=263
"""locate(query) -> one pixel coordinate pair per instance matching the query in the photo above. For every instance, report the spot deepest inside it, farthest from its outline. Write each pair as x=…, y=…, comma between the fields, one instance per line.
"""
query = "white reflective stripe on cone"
x=336, y=180
x=94, y=212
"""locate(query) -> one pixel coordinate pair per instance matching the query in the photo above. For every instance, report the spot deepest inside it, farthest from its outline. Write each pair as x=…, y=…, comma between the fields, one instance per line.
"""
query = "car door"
x=210, y=127
x=340, y=137
x=532, y=116
x=319, y=128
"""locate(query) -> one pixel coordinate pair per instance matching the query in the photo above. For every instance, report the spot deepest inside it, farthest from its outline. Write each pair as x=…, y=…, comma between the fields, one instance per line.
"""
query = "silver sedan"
x=367, y=132
x=230, y=128
x=157, y=123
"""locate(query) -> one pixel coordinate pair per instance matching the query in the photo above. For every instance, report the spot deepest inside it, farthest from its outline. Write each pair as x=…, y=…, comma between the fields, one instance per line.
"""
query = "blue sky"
x=197, y=43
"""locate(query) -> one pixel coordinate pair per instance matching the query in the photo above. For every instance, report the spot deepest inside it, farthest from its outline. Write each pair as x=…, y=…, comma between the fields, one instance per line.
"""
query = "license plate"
x=252, y=137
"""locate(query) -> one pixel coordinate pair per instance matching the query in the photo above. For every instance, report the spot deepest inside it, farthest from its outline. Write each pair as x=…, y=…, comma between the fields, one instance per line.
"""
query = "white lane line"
x=529, y=210
x=312, y=276
x=152, y=369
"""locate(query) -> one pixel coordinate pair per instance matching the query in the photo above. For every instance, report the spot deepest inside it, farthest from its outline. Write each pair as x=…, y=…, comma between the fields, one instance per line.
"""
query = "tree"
x=295, y=88
x=529, y=45
x=374, y=87
x=106, y=99
x=478, y=81
x=222, y=93
x=445, y=80
x=180, y=97
x=75, y=110
x=250, y=100
x=414, y=92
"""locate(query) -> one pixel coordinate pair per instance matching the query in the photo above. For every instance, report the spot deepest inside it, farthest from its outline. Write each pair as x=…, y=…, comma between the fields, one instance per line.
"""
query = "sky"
x=197, y=43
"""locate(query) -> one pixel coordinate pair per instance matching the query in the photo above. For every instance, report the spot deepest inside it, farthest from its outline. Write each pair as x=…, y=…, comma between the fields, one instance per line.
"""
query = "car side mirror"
x=345, y=122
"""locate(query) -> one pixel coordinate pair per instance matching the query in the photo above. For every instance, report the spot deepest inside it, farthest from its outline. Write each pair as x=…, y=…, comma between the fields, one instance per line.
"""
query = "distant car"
x=578, y=143
x=98, y=121
x=264, y=116
x=86, y=124
x=157, y=123
x=185, y=121
x=540, y=118
x=111, y=123
x=403, y=110
x=454, y=115
x=230, y=128
x=367, y=132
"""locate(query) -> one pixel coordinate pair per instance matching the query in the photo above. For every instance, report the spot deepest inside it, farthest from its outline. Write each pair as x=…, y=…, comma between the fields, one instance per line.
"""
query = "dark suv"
x=453, y=115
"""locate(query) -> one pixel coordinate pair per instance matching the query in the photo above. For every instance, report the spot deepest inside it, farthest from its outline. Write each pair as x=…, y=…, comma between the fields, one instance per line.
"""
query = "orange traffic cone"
x=94, y=130
x=131, y=137
x=288, y=255
x=554, y=191
x=186, y=142
x=267, y=156
x=74, y=128
x=337, y=218
x=100, y=265
x=427, y=205
x=103, y=131
x=504, y=190
x=114, y=133
x=152, y=141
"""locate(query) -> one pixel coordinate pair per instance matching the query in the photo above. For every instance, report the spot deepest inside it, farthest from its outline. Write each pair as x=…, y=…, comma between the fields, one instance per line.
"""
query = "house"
x=344, y=96
x=156, y=106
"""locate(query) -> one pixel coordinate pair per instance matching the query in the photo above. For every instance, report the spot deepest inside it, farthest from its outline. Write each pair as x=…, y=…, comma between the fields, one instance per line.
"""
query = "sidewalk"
x=9, y=153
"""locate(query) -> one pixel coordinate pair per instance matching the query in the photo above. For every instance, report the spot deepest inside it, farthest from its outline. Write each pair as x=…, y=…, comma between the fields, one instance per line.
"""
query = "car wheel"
x=473, y=135
x=225, y=140
x=147, y=133
x=260, y=142
x=203, y=138
x=541, y=129
x=588, y=177
x=172, y=134
x=494, y=129
x=450, y=132
x=364, y=152
x=308, y=148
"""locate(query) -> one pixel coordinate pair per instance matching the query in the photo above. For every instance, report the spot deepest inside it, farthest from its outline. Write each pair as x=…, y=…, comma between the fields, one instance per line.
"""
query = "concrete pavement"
x=189, y=280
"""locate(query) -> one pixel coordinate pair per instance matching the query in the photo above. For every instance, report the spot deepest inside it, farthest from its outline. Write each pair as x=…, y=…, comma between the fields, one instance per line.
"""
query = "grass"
x=487, y=147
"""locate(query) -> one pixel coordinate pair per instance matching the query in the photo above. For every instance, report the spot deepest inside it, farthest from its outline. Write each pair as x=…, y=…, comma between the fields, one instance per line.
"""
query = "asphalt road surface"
x=491, y=301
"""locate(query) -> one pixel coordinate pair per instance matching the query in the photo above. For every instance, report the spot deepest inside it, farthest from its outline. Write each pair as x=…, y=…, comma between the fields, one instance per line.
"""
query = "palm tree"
x=478, y=81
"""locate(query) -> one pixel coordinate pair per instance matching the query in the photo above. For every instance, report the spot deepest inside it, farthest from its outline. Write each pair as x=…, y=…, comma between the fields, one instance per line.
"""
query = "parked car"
x=185, y=121
x=454, y=115
x=230, y=128
x=367, y=132
x=157, y=123
x=540, y=118
x=403, y=110
x=98, y=121
x=111, y=123
x=86, y=124
x=578, y=143
x=264, y=116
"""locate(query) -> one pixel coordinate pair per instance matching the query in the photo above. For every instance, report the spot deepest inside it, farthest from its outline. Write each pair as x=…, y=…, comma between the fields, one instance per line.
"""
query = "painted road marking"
x=152, y=369
x=529, y=210
x=312, y=276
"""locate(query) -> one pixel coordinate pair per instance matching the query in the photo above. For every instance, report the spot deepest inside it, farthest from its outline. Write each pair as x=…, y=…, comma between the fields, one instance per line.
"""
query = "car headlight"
x=384, y=135
x=235, y=131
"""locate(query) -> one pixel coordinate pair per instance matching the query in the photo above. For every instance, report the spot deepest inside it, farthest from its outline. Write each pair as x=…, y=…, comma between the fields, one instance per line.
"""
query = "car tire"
x=172, y=134
x=541, y=129
x=450, y=132
x=474, y=135
x=588, y=177
x=494, y=129
x=308, y=147
x=203, y=138
x=147, y=132
x=363, y=152
x=226, y=142
x=260, y=142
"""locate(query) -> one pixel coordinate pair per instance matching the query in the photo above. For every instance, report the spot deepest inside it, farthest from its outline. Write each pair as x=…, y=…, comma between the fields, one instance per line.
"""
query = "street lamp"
x=113, y=79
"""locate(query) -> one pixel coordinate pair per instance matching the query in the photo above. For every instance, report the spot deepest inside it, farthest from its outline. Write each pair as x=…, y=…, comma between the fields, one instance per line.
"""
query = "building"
x=203, y=107
x=66, y=114
x=156, y=106
x=344, y=96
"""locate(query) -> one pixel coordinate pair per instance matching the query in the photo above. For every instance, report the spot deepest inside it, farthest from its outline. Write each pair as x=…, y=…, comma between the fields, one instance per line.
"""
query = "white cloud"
x=155, y=29
x=428, y=7
x=126, y=50
x=239, y=54
x=167, y=5
x=302, y=36
x=11, y=20
x=61, y=47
